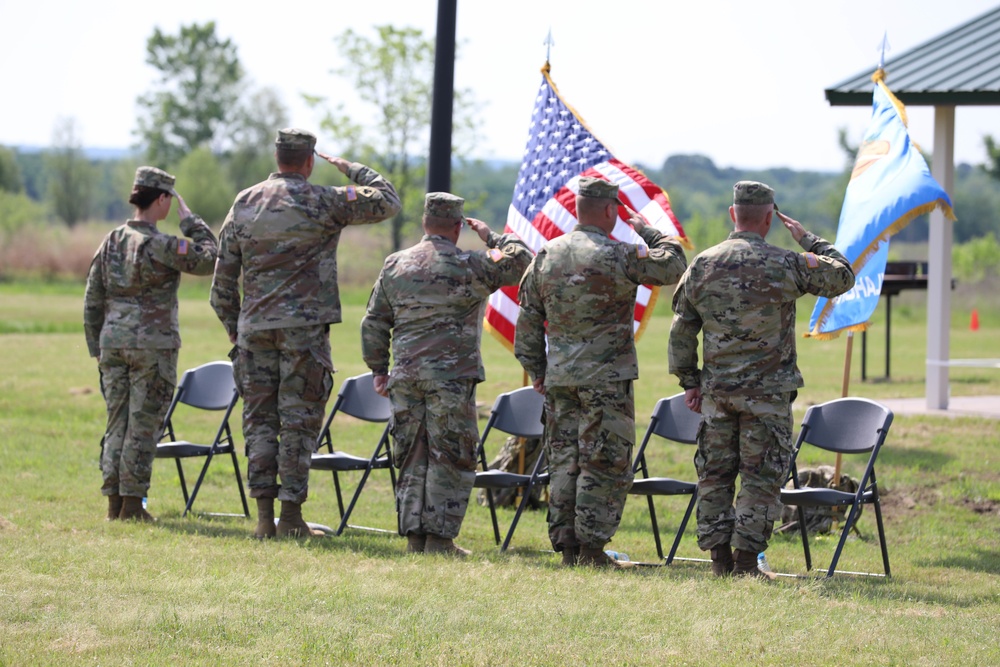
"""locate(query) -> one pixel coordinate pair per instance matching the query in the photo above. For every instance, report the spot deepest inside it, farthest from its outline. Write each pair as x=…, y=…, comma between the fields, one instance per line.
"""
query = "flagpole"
x=844, y=388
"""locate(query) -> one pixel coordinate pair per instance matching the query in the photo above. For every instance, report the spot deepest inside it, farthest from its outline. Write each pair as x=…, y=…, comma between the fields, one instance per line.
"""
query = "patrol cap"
x=294, y=139
x=444, y=205
x=151, y=177
x=598, y=188
x=752, y=192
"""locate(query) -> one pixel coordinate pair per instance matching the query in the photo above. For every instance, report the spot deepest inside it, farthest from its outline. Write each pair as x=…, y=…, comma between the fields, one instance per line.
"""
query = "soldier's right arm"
x=372, y=200
x=93, y=305
x=661, y=263
x=225, y=296
x=682, y=348
x=529, y=334
x=822, y=270
x=376, y=330
x=504, y=263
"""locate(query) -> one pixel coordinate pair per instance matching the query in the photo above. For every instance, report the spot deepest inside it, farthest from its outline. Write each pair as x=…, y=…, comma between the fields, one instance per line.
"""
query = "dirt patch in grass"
x=903, y=502
x=981, y=505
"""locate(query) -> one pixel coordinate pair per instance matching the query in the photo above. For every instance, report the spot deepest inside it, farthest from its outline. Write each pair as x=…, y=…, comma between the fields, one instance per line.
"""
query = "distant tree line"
x=205, y=121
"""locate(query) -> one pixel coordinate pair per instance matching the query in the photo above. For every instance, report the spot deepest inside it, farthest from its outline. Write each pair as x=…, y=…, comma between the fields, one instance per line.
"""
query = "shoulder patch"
x=641, y=251
x=495, y=254
x=182, y=246
x=811, y=260
x=352, y=193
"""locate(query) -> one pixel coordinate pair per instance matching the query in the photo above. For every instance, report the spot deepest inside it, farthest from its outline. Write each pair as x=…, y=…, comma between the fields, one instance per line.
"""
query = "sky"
x=739, y=82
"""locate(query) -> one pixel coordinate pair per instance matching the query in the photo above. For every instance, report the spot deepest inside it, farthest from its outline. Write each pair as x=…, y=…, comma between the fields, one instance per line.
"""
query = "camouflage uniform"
x=130, y=321
x=282, y=235
x=429, y=301
x=740, y=294
x=580, y=290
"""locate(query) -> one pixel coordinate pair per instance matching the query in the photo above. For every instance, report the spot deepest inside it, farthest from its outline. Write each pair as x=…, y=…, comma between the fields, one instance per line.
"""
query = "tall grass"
x=75, y=589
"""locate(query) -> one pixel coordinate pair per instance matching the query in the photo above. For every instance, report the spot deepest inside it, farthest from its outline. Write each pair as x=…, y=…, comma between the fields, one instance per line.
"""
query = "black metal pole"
x=864, y=356
x=439, y=162
x=888, y=333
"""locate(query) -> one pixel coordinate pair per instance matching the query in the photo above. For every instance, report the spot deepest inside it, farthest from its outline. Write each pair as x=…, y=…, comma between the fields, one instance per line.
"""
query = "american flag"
x=559, y=151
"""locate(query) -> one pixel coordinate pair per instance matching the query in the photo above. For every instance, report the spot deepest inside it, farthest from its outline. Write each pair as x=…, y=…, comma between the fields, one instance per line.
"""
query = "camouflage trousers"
x=138, y=386
x=284, y=378
x=748, y=436
x=590, y=433
x=435, y=436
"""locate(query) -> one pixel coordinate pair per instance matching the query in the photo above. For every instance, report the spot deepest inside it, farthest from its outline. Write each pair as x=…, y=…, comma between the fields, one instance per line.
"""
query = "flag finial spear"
x=548, y=43
x=883, y=48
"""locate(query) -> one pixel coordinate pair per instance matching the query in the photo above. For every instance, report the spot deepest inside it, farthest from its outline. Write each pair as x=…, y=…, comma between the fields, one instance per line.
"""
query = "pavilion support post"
x=939, y=264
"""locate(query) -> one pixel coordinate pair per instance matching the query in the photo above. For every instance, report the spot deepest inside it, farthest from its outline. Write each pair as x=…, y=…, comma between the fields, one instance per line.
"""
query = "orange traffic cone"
x=974, y=321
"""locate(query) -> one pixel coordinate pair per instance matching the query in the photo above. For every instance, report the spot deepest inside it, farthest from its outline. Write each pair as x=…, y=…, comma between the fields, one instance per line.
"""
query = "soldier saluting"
x=282, y=235
x=740, y=294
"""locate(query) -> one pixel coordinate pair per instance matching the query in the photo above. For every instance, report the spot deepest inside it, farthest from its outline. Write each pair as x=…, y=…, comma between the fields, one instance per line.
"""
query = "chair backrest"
x=357, y=398
x=519, y=413
x=846, y=425
x=673, y=420
x=209, y=386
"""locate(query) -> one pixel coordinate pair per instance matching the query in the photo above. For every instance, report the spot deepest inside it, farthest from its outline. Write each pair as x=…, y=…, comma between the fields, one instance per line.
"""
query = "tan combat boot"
x=570, y=556
x=746, y=566
x=291, y=523
x=415, y=544
x=114, y=506
x=436, y=544
x=132, y=509
x=722, y=561
x=265, y=519
x=595, y=557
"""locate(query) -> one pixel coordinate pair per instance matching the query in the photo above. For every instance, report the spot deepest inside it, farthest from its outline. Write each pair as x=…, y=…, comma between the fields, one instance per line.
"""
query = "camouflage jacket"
x=131, y=297
x=282, y=234
x=429, y=301
x=583, y=285
x=741, y=295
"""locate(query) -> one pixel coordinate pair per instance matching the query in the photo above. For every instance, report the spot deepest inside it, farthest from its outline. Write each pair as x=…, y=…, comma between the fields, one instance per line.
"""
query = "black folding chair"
x=517, y=413
x=358, y=399
x=845, y=426
x=671, y=420
x=207, y=387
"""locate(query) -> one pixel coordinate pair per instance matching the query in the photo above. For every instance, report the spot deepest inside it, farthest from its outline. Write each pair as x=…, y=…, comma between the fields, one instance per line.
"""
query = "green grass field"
x=75, y=589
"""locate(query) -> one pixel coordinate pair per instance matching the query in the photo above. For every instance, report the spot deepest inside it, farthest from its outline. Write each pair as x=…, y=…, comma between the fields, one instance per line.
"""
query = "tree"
x=71, y=178
x=200, y=76
x=992, y=167
x=253, y=128
x=394, y=74
x=204, y=185
x=10, y=173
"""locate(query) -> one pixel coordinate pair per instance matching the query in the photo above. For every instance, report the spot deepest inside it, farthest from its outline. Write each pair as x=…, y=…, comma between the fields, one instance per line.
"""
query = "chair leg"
x=852, y=516
x=340, y=497
x=493, y=514
x=517, y=517
x=656, y=527
x=180, y=474
x=804, y=531
x=354, y=499
x=239, y=483
x=524, y=502
x=881, y=537
x=681, y=528
x=197, y=485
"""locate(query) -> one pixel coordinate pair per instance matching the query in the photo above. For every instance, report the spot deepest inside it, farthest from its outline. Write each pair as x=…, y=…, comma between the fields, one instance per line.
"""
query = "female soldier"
x=130, y=319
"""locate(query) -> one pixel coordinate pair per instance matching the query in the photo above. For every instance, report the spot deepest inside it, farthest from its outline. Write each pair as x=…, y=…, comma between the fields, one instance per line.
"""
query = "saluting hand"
x=182, y=208
x=479, y=227
x=794, y=227
x=338, y=162
x=635, y=219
